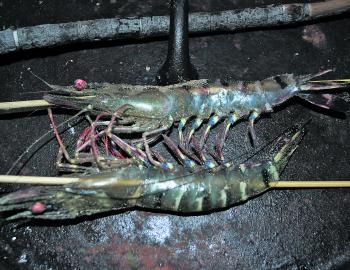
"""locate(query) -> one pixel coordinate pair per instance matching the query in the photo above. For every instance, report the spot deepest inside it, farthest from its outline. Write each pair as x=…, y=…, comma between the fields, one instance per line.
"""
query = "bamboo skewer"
x=47, y=180
x=37, y=180
x=309, y=184
x=10, y=106
x=327, y=81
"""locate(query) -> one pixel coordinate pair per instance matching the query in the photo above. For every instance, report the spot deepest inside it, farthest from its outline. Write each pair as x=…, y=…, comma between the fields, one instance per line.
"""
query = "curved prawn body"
x=133, y=186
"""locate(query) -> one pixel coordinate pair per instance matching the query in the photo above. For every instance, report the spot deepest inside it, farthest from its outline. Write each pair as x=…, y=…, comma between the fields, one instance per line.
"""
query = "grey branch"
x=49, y=35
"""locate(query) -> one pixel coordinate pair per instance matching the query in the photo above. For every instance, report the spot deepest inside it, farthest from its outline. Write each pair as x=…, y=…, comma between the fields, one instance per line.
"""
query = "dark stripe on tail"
x=279, y=80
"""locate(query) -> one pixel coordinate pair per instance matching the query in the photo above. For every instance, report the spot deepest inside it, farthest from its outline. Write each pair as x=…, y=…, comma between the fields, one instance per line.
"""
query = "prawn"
x=151, y=110
x=133, y=186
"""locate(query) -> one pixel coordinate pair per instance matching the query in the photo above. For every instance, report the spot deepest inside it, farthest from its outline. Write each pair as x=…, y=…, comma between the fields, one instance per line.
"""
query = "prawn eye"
x=79, y=84
x=38, y=208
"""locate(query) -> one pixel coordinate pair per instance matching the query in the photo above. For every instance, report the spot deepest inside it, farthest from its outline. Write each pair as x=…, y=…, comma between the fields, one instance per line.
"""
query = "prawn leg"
x=252, y=117
x=180, y=128
x=144, y=126
x=195, y=125
x=213, y=120
x=188, y=163
x=149, y=128
x=222, y=136
x=165, y=165
x=75, y=168
x=74, y=163
x=182, y=140
x=58, y=138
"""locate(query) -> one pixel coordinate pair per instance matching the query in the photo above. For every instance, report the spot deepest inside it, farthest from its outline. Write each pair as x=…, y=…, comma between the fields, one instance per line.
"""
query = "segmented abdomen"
x=208, y=191
x=239, y=96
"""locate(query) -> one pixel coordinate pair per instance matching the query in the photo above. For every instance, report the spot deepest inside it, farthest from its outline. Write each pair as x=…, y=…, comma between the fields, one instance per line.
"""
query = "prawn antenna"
x=40, y=79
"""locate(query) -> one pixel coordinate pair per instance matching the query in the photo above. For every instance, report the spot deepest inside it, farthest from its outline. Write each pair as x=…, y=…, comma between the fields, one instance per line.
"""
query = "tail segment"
x=328, y=101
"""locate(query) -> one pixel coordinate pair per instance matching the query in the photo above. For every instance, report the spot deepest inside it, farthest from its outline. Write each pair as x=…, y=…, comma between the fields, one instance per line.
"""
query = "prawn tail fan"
x=285, y=147
x=308, y=88
x=327, y=101
x=53, y=202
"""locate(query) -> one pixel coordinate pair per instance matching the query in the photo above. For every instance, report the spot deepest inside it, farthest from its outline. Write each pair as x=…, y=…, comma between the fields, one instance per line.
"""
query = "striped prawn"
x=151, y=110
x=135, y=186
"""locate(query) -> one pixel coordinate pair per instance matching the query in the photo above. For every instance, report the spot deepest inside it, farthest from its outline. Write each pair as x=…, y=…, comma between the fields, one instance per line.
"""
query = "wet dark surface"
x=285, y=229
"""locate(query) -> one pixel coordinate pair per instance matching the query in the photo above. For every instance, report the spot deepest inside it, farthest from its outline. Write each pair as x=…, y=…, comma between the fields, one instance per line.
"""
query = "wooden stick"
x=48, y=35
x=310, y=184
x=319, y=8
x=330, y=81
x=10, y=106
x=47, y=180
x=37, y=180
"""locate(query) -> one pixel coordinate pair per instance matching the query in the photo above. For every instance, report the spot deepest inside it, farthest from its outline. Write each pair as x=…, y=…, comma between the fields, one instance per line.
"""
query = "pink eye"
x=79, y=84
x=38, y=208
